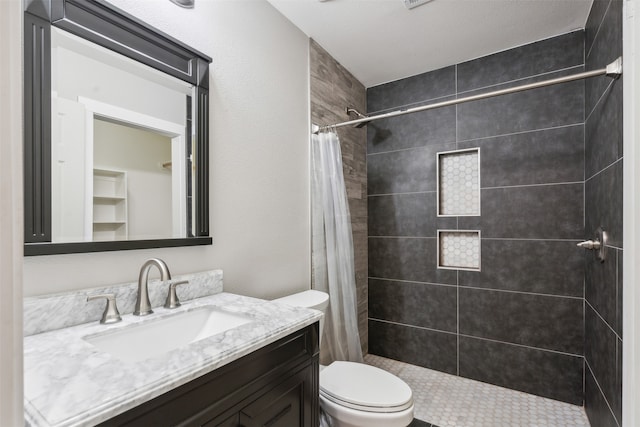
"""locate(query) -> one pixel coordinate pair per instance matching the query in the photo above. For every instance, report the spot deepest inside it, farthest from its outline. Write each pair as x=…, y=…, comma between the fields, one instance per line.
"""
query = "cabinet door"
x=285, y=405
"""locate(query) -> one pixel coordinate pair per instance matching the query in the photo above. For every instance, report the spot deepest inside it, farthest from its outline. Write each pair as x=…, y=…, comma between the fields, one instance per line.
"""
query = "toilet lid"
x=364, y=387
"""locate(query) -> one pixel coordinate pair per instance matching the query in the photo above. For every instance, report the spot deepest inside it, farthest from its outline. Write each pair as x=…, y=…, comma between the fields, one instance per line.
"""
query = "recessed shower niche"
x=459, y=249
x=459, y=195
x=459, y=182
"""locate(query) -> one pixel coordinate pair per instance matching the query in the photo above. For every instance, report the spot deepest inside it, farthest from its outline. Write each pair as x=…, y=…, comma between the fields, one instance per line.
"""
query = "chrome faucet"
x=143, y=305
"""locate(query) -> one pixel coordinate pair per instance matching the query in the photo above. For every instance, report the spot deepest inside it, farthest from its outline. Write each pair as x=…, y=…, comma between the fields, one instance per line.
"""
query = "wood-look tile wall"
x=333, y=88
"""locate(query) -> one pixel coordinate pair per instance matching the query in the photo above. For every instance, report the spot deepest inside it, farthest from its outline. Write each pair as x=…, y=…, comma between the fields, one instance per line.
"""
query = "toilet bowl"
x=355, y=394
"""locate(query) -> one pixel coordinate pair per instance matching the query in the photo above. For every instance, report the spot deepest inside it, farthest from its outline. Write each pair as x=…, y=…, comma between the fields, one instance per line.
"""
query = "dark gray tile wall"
x=530, y=212
x=541, y=321
x=514, y=265
x=419, y=304
x=519, y=322
x=533, y=59
x=333, y=88
x=416, y=345
x=603, y=208
x=554, y=375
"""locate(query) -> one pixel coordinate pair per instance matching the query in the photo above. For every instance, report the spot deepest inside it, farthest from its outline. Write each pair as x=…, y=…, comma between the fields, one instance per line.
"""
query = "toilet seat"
x=364, y=388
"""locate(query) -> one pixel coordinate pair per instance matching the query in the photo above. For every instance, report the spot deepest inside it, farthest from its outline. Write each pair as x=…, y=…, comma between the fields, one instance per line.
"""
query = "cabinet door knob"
x=111, y=314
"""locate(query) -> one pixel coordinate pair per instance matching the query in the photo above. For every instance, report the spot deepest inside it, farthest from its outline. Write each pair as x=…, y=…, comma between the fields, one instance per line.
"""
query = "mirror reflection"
x=121, y=154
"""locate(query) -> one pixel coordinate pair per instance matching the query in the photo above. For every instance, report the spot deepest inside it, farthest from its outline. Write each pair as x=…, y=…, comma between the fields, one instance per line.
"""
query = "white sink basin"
x=156, y=337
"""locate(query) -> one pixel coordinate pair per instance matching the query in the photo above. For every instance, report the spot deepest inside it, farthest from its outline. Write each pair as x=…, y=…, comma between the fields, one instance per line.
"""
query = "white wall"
x=259, y=184
x=141, y=153
x=91, y=71
x=11, y=213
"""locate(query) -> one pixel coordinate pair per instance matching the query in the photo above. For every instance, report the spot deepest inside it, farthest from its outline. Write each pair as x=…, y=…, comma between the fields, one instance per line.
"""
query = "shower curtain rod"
x=613, y=70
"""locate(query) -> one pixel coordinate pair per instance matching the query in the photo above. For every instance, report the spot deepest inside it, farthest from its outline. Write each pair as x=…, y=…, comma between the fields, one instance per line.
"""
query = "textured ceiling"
x=381, y=41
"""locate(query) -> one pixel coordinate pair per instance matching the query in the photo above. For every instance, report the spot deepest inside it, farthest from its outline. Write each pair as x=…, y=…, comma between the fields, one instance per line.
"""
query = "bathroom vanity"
x=261, y=372
x=275, y=386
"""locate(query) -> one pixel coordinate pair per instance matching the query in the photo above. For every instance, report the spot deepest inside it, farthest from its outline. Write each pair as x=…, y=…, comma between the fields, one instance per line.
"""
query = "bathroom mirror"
x=116, y=132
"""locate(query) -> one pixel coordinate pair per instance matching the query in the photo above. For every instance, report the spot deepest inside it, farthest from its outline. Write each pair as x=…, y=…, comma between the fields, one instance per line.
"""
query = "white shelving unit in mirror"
x=109, y=205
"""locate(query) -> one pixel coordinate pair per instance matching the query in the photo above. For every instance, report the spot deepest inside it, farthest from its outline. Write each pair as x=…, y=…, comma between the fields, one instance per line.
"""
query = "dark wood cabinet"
x=281, y=406
x=275, y=386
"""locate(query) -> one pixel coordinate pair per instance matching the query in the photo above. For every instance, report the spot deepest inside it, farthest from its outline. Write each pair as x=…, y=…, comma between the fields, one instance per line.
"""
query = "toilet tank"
x=316, y=300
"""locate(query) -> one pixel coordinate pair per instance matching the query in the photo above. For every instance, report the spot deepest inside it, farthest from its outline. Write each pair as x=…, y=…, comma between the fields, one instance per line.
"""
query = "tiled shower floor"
x=449, y=401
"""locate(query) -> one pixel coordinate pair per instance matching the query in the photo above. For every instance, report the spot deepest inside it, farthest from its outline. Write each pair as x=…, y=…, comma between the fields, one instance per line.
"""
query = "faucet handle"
x=172, y=298
x=111, y=314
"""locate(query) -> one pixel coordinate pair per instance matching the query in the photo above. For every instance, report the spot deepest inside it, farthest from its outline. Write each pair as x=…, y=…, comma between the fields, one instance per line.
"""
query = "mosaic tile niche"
x=459, y=249
x=459, y=183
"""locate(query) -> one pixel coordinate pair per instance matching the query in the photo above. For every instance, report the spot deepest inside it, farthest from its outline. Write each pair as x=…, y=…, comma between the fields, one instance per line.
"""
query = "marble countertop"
x=69, y=382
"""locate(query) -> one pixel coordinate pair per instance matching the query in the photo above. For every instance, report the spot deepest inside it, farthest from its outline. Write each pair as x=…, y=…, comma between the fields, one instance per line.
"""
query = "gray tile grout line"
x=532, y=239
x=412, y=104
x=604, y=15
x=478, y=338
x=533, y=76
x=497, y=187
x=617, y=359
x=564, y=353
x=400, y=194
x=532, y=185
x=584, y=172
x=481, y=138
x=617, y=293
x=604, y=169
x=478, y=288
x=584, y=181
x=458, y=322
x=517, y=239
x=604, y=92
x=413, y=326
x=586, y=301
x=522, y=292
x=584, y=45
x=523, y=132
x=584, y=358
x=402, y=237
x=456, y=95
x=586, y=362
x=419, y=147
x=411, y=281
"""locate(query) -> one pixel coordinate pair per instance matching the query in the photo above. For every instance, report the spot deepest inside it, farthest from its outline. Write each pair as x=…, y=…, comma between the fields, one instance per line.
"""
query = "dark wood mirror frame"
x=107, y=26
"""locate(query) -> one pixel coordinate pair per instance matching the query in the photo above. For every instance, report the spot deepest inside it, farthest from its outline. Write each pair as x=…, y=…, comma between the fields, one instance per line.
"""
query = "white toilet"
x=355, y=394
